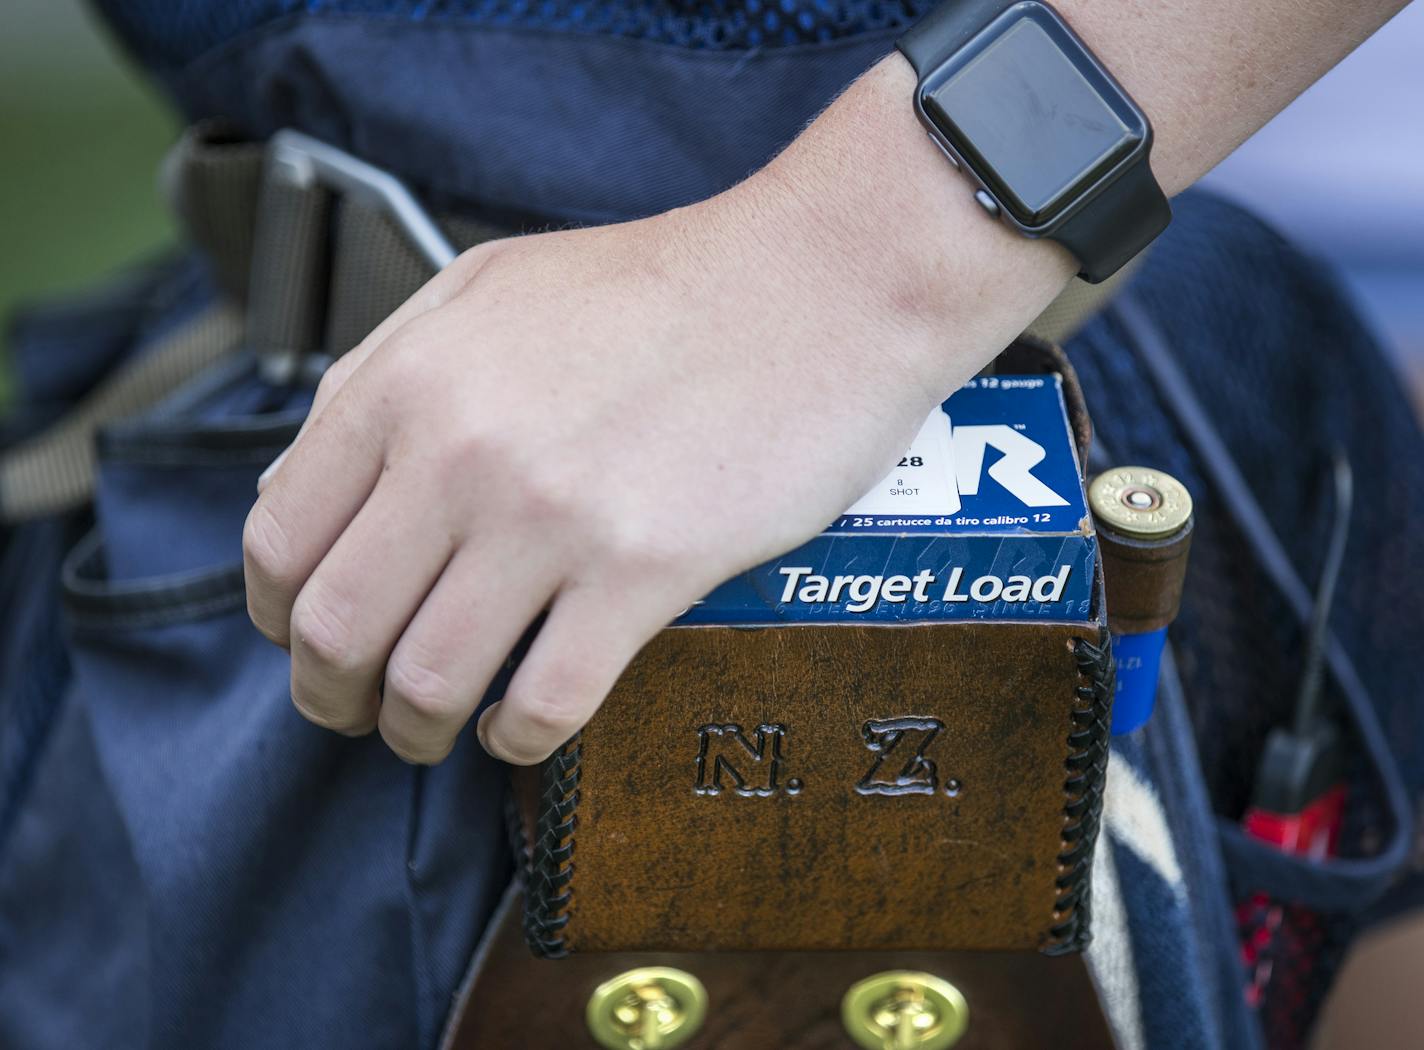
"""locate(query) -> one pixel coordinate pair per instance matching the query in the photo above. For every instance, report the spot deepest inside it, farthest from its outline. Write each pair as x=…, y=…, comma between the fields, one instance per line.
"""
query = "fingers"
x=436, y=292
x=454, y=646
x=585, y=643
x=350, y=613
x=326, y=478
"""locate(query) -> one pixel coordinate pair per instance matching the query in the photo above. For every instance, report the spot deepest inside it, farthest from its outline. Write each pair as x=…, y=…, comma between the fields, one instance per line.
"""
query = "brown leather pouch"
x=746, y=799
x=813, y=787
x=768, y=1000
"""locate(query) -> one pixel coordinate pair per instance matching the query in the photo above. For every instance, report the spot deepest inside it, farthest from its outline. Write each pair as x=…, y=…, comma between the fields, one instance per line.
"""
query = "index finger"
x=326, y=477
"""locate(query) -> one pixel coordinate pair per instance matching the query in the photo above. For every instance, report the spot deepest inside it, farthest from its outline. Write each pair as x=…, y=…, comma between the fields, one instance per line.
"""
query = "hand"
x=600, y=426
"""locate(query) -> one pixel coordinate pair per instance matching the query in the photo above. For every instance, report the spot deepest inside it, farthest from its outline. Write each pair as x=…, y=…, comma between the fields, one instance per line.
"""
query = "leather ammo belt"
x=827, y=800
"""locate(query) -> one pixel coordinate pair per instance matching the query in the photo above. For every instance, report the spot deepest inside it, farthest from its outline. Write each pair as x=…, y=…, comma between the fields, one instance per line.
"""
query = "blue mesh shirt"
x=559, y=111
x=166, y=35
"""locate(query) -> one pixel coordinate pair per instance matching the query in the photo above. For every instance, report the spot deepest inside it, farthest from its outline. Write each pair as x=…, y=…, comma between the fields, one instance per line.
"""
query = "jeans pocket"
x=281, y=884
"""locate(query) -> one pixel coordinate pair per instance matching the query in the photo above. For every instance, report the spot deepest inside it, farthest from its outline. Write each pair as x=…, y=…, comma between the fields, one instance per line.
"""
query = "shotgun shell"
x=1144, y=522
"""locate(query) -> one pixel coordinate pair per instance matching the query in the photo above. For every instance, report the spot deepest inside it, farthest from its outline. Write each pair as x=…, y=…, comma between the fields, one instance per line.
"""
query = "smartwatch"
x=1052, y=143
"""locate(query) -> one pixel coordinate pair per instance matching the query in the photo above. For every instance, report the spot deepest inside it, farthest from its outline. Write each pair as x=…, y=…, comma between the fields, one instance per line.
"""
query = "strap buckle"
x=302, y=161
x=298, y=254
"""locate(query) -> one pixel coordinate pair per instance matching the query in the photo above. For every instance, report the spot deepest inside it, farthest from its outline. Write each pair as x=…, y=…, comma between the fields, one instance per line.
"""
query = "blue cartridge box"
x=984, y=518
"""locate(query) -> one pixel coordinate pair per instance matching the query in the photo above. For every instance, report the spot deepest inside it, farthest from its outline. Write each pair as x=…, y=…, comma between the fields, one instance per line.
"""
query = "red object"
x=1313, y=832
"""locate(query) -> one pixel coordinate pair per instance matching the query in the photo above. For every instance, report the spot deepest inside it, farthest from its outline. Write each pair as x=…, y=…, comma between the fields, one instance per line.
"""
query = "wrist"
x=867, y=208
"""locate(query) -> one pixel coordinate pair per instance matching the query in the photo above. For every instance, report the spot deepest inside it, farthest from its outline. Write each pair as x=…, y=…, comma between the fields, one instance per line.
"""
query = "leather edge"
x=1086, y=767
x=550, y=869
x=456, y=1018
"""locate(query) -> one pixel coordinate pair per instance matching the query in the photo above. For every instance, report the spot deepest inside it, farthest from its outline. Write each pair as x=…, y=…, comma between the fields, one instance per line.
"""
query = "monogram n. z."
x=754, y=764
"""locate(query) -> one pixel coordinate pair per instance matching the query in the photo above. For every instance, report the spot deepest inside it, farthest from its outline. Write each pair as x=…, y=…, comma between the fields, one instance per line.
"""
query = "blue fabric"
x=242, y=878
x=1286, y=371
x=57, y=352
x=34, y=661
x=1139, y=663
x=1204, y=946
x=166, y=34
x=512, y=122
x=74, y=947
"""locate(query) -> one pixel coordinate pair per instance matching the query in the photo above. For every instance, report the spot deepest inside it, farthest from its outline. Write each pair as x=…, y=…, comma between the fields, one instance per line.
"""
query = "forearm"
x=1209, y=73
x=864, y=194
x=600, y=466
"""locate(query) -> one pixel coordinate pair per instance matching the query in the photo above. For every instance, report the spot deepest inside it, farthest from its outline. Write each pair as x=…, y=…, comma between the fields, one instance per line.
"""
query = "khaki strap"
x=375, y=268
x=290, y=268
x=212, y=180
x=1078, y=303
x=213, y=183
x=302, y=273
x=54, y=471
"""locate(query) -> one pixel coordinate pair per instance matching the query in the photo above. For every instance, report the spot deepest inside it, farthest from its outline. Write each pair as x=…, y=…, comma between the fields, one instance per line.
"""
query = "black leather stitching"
x=550, y=872
x=1087, y=765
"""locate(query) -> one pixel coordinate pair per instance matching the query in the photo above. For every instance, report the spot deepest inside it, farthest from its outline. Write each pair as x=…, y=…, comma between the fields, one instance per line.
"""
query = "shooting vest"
x=229, y=876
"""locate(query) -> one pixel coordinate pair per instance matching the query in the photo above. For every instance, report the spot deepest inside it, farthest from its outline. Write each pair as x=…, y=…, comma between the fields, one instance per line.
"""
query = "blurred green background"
x=81, y=136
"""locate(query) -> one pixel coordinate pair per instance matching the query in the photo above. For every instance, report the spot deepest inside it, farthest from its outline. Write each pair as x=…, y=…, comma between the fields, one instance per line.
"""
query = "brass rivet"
x=904, y=1010
x=652, y=1008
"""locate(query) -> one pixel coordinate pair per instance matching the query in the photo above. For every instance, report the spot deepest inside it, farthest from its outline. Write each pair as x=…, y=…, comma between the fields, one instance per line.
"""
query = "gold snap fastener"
x=652, y=1008
x=904, y=1010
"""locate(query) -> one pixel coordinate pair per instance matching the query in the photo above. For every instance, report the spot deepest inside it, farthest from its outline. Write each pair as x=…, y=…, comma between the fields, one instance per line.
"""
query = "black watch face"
x=1032, y=113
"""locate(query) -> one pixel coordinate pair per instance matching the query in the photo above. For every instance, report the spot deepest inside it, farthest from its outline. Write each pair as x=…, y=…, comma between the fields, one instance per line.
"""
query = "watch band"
x=1120, y=219
x=946, y=28
x=1119, y=222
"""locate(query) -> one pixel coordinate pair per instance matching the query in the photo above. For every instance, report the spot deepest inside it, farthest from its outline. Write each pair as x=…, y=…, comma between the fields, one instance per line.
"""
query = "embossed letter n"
x=726, y=757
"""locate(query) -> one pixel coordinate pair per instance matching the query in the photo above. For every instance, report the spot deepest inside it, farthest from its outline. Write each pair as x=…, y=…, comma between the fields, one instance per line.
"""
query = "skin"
x=578, y=423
